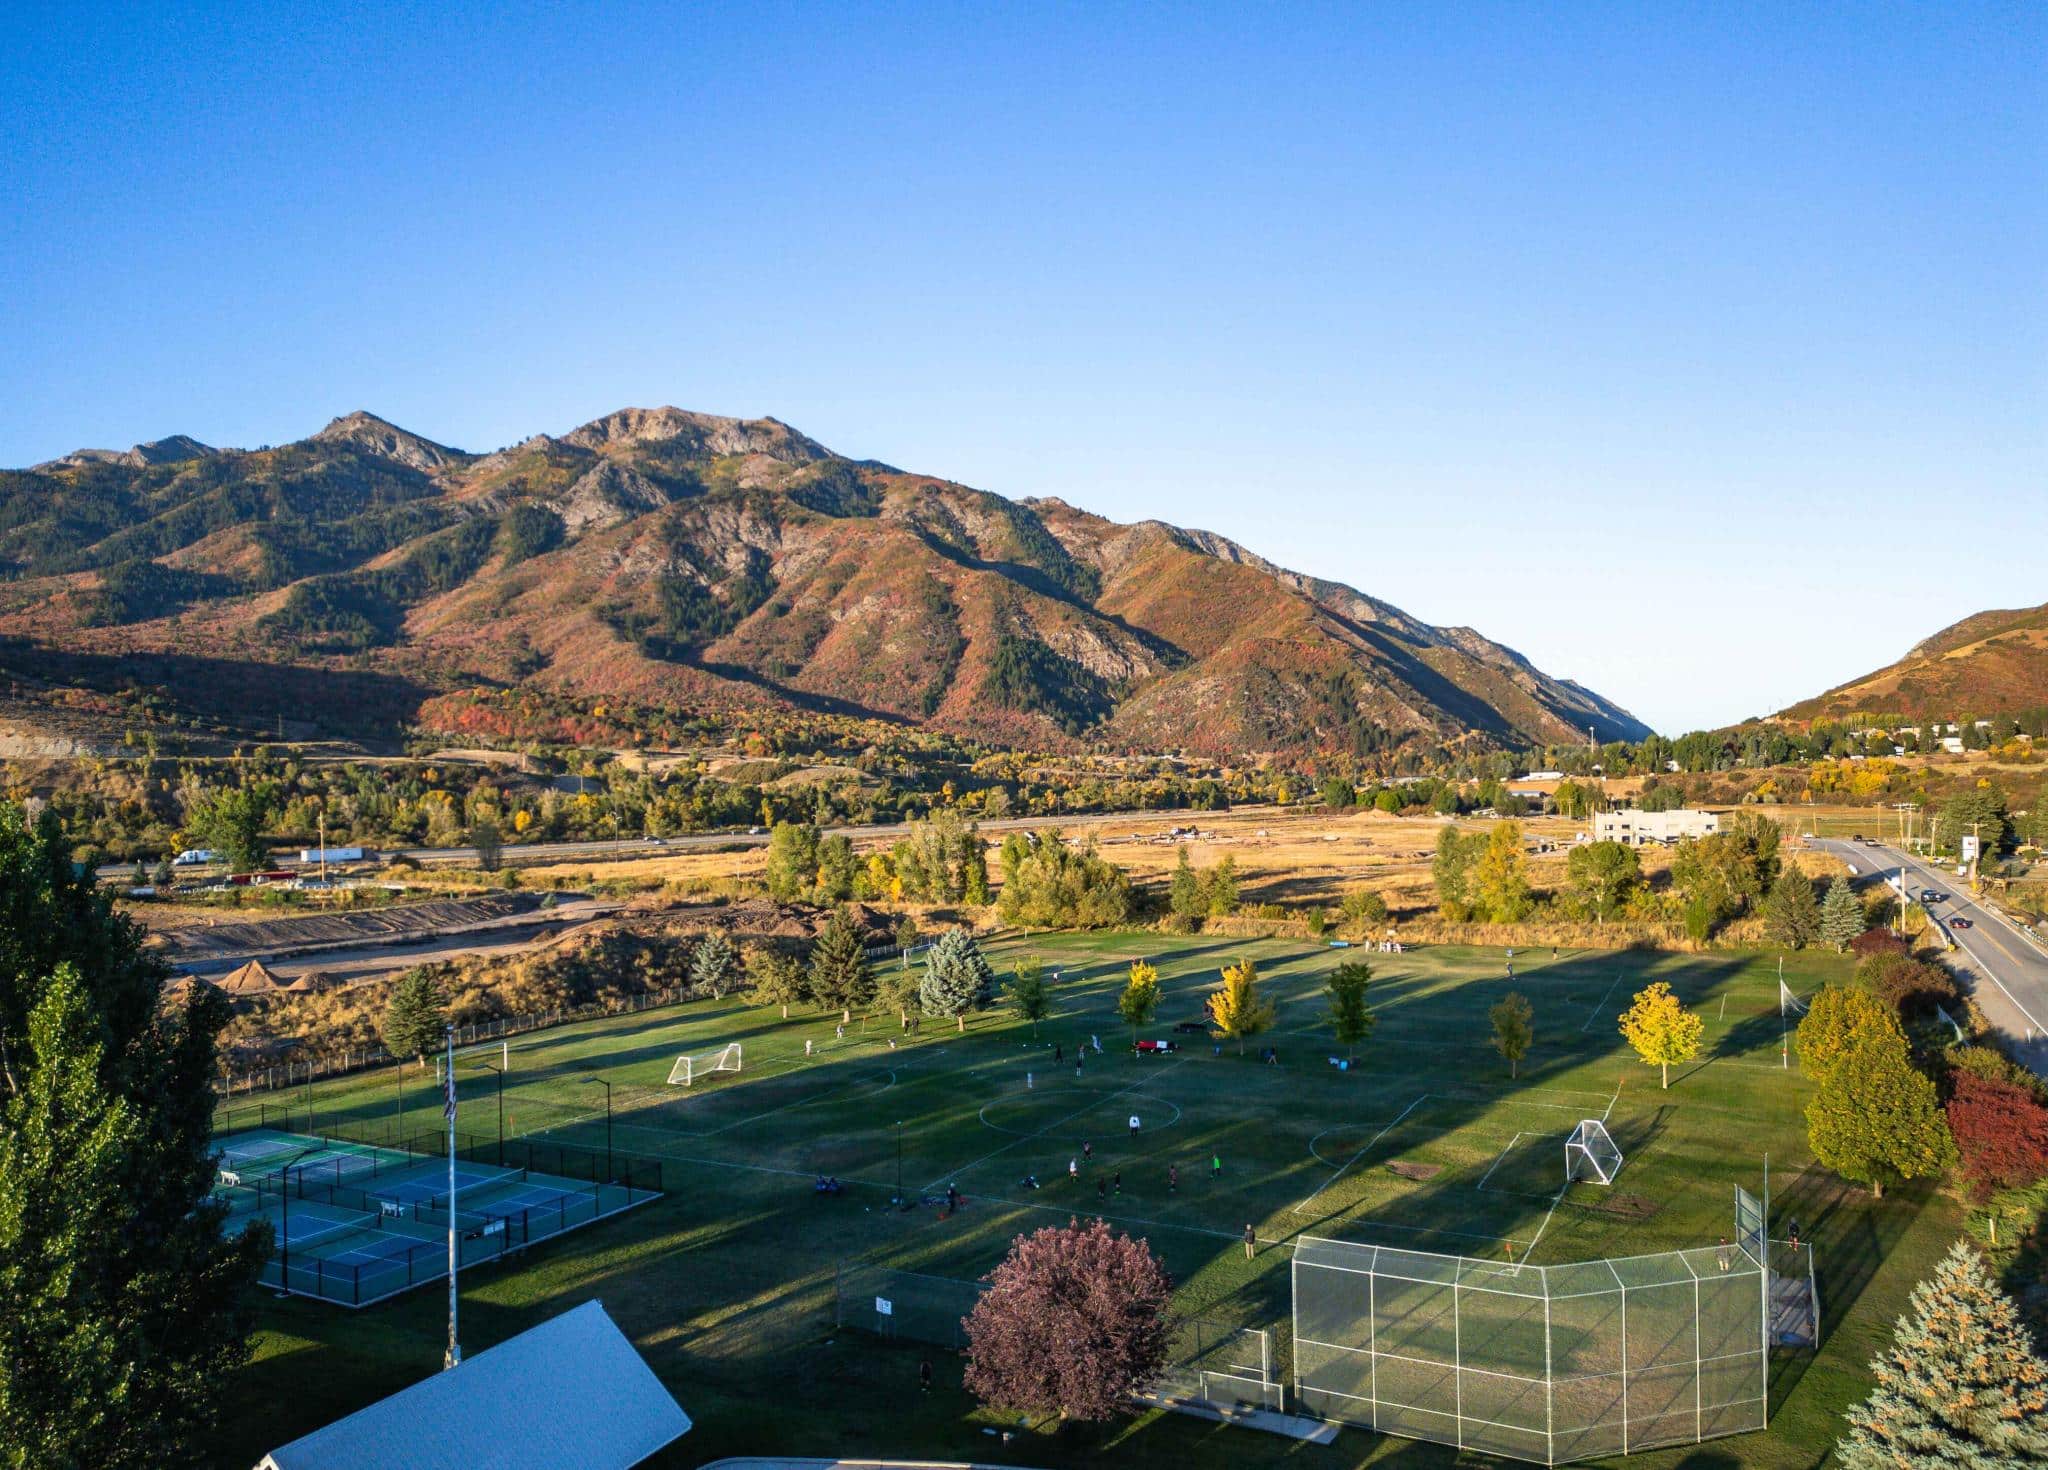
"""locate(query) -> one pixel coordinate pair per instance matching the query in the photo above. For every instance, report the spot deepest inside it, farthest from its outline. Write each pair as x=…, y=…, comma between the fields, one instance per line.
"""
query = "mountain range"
x=692, y=562
x=1990, y=663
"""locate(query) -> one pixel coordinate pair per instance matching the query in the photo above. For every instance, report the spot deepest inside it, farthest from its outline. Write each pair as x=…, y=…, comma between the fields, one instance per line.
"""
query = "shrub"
x=1875, y=942
x=1993, y=1065
x=1909, y=986
x=2001, y=1134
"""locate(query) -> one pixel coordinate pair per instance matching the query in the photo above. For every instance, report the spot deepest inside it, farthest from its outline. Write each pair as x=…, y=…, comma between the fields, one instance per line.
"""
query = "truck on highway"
x=192, y=855
x=332, y=854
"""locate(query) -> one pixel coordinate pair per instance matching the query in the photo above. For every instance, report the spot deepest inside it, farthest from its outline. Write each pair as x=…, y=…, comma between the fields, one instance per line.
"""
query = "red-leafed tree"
x=1074, y=1321
x=2001, y=1134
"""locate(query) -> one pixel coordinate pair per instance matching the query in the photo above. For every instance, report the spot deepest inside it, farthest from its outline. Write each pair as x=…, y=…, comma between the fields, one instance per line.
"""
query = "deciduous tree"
x=1075, y=1320
x=1603, y=875
x=1351, y=1018
x=775, y=978
x=2001, y=1134
x=1236, y=1012
x=1514, y=1029
x=1140, y=998
x=1500, y=880
x=1961, y=1383
x=1877, y=1118
x=1661, y=1030
x=1030, y=998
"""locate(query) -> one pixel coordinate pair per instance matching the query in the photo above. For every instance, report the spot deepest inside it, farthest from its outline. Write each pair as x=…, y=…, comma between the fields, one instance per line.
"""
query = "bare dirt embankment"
x=203, y=944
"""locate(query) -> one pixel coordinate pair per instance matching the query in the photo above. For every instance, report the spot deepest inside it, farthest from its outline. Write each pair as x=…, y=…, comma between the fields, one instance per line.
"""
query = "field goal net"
x=689, y=1071
x=1789, y=1003
x=1590, y=1154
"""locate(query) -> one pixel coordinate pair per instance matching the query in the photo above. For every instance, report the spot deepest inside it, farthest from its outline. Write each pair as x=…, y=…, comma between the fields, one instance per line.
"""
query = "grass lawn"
x=727, y=1284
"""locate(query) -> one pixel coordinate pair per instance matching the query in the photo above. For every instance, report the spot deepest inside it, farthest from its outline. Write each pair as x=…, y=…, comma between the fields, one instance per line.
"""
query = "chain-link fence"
x=1543, y=1363
x=1223, y=1366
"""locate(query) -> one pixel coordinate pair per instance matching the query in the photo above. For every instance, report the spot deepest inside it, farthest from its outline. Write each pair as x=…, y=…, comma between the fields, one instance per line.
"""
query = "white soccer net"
x=1590, y=1154
x=690, y=1070
x=1789, y=1004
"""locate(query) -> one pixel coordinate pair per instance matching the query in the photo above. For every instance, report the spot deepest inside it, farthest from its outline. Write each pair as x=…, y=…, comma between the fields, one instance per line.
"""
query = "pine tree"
x=957, y=978
x=416, y=1016
x=776, y=979
x=124, y=1303
x=1221, y=888
x=714, y=964
x=1351, y=1019
x=1960, y=1385
x=839, y=966
x=1661, y=1029
x=1235, y=1009
x=1877, y=1117
x=1184, y=893
x=974, y=869
x=1791, y=912
x=1841, y=915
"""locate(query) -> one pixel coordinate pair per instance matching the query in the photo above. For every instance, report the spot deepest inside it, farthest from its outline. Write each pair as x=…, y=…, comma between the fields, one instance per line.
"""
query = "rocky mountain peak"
x=698, y=433
x=367, y=432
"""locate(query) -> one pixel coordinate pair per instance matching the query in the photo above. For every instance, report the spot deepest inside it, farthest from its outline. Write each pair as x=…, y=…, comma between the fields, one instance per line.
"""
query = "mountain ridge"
x=1990, y=663
x=686, y=560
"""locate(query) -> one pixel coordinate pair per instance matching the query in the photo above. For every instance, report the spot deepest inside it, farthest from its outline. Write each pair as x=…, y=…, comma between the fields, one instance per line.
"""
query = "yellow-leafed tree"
x=1235, y=1011
x=1661, y=1029
x=1141, y=996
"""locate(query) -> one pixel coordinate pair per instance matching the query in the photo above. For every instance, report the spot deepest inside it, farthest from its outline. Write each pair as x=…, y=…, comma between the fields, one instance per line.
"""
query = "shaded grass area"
x=727, y=1283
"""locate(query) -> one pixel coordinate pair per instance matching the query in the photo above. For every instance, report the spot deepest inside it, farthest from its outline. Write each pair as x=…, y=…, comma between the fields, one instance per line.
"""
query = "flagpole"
x=454, y=1240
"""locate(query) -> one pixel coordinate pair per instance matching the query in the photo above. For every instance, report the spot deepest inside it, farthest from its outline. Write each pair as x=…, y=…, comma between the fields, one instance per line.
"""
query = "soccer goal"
x=1590, y=1154
x=1789, y=1004
x=690, y=1070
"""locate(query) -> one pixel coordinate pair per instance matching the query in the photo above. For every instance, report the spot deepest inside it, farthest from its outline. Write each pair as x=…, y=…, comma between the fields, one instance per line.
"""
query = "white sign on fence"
x=884, y=1307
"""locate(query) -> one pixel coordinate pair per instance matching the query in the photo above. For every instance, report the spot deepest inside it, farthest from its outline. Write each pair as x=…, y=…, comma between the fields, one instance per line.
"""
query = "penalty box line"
x=1345, y=1168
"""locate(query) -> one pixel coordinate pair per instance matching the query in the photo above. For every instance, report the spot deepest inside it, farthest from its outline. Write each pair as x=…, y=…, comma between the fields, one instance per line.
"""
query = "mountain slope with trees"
x=685, y=561
x=1991, y=663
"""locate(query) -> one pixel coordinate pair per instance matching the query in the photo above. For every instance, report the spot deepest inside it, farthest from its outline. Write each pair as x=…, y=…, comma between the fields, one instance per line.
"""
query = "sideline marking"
x=1598, y=1004
x=1302, y=1208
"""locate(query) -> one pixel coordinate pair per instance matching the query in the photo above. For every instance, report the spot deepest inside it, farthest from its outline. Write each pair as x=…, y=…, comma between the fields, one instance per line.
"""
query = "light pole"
x=499, y=1073
x=284, y=1218
x=899, y=1164
x=610, y=1173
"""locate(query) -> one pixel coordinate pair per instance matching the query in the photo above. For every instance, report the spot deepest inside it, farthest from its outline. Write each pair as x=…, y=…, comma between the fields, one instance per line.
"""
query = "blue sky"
x=1701, y=353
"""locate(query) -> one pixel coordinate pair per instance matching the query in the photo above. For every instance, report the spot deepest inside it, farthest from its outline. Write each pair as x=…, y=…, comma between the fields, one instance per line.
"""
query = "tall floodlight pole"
x=454, y=1235
x=499, y=1073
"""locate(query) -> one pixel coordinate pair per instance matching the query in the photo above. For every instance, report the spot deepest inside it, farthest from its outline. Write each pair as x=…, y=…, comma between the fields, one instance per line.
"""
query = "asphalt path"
x=2008, y=965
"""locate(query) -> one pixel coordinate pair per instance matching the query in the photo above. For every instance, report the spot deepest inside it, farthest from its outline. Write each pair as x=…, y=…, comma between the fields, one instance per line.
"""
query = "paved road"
x=2009, y=969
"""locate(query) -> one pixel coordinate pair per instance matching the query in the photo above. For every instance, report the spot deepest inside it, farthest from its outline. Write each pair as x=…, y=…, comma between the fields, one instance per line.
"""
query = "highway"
x=2007, y=967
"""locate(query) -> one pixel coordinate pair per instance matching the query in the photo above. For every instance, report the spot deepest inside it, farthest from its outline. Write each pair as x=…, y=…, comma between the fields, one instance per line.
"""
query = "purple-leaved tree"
x=1074, y=1321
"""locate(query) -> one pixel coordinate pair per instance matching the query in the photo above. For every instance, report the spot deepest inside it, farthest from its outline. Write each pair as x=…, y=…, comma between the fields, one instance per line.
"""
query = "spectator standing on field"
x=1134, y=1125
x=1251, y=1241
x=924, y=1375
x=1173, y=1178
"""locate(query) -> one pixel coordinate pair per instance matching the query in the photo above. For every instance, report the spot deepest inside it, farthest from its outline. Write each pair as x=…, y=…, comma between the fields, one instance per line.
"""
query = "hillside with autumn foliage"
x=1991, y=663
x=368, y=579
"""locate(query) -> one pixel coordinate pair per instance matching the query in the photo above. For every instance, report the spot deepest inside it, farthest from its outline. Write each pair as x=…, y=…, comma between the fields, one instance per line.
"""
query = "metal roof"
x=572, y=1391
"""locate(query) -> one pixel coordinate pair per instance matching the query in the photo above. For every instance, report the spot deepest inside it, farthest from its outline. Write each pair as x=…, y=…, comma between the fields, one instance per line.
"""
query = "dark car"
x=1959, y=923
x=1197, y=1027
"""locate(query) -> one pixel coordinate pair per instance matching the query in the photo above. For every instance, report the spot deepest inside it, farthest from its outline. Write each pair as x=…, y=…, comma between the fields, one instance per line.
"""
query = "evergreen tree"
x=1220, y=888
x=1184, y=896
x=836, y=867
x=1452, y=871
x=1791, y=912
x=839, y=966
x=974, y=870
x=957, y=978
x=775, y=979
x=124, y=1305
x=792, y=860
x=416, y=1016
x=1877, y=1118
x=1841, y=915
x=1351, y=1019
x=714, y=963
x=489, y=842
x=1960, y=1385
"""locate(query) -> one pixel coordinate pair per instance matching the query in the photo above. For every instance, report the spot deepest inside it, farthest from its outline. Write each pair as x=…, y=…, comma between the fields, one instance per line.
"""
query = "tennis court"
x=357, y=1223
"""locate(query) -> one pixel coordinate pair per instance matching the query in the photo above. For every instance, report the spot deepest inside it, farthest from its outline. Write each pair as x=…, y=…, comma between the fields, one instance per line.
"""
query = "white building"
x=1638, y=827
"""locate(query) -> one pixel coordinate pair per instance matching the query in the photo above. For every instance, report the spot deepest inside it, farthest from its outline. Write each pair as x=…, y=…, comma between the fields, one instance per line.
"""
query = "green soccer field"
x=727, y=1283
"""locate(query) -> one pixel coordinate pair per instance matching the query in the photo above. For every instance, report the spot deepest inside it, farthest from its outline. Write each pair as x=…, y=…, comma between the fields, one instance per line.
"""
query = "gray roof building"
x=572, y=1391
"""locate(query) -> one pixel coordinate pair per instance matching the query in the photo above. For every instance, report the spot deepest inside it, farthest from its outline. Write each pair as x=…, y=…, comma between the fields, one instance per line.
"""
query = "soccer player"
x=1134, y=1126
x=1173, y=1178
x=1215, y=1166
